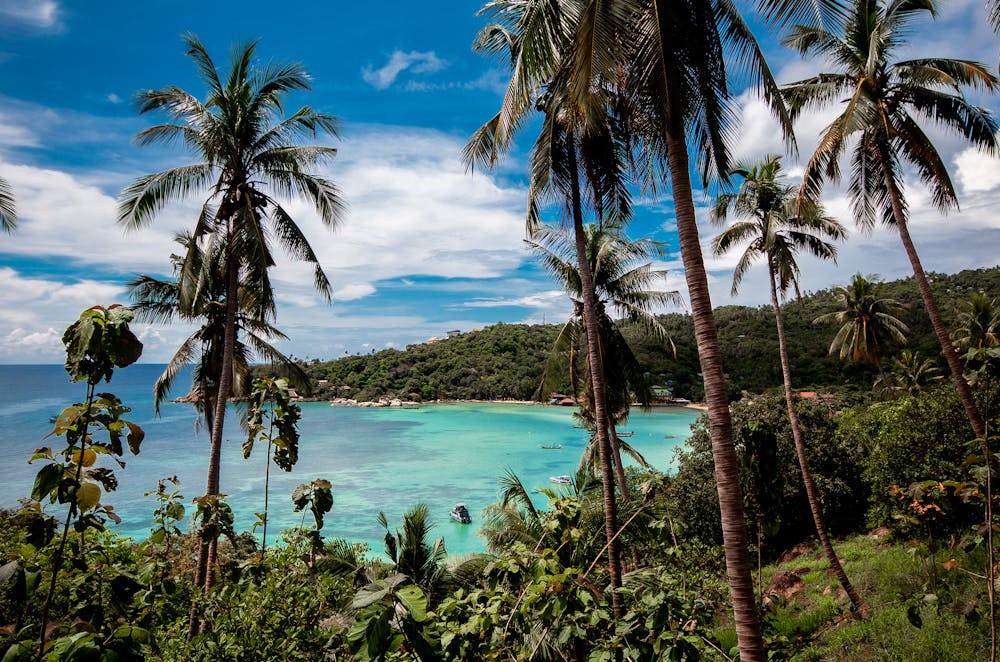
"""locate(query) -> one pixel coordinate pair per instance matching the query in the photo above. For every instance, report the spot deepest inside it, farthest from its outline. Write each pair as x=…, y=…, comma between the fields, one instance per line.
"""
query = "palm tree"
x=868, y=323
x=248, y=155
x=8, y=210
x=624, y=282
x=681, y=82
x=515, y=519
x=908, y=375
x=677, y=47
x=411, y=552
x=884, y=101
x=580, y=155
x=775, y=228
x=158, y=301
x=977, y=325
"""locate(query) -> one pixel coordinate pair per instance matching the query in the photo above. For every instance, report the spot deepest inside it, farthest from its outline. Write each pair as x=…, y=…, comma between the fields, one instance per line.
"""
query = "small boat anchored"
x=626, y=433
x=550, y=447
x=561, y=480
x=461, y=514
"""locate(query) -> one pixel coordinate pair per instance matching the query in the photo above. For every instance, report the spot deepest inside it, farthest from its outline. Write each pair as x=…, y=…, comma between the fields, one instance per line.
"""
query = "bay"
x=378, y=459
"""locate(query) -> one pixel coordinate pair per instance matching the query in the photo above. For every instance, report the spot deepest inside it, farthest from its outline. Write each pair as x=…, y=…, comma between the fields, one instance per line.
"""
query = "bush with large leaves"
x=837, y=465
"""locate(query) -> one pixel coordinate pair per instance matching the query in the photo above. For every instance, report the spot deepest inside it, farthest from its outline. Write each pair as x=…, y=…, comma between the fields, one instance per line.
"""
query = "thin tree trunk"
x=800, y=450
x=616, y=455
x=623, y=487
x=940, y=330
x=734, y=533
x=206, y=550
x=596, y=364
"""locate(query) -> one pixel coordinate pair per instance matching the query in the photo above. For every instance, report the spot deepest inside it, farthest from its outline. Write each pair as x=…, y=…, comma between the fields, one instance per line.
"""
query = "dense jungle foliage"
x=505, y=361
x=541, y=590
x=907, y=470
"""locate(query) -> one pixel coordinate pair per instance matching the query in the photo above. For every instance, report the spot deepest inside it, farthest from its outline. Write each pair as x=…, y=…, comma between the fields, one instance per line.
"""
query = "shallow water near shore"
x=386, y=459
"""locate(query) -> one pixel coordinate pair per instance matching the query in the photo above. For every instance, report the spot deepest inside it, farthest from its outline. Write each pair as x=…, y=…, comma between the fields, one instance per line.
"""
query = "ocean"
x=378, y=459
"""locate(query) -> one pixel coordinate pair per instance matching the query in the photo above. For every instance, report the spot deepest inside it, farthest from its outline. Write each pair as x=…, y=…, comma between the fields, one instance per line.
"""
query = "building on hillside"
x=454, y=333
x=662, y=395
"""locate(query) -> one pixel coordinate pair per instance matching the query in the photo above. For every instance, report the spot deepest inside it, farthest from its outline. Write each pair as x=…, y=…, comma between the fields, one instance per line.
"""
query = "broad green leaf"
x=88, y=495
x=46, y=481
x=370, y=594
x=415, y=602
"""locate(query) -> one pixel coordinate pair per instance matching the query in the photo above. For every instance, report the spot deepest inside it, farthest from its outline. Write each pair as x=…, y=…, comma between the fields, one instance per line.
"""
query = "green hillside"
x=505, y=361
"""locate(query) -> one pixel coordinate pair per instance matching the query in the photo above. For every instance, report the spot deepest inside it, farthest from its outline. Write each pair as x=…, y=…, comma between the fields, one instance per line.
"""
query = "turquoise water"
x=377, y=459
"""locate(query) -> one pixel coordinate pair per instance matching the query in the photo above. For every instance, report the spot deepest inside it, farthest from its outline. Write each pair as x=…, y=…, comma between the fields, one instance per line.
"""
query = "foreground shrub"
x=772, y=483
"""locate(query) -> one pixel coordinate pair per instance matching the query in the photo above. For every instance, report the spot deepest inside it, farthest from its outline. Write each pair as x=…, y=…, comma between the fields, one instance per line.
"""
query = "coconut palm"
x=677, y=72
x=908, y=374
x=884, y=101
x=579, y=157
x=624, y=282
x=158, y=301
x=8, y=210
x=686, y=53
x=409, y=549
x=977, y=325
x=868, y=323
x=515, y=519
x=248, y=155
x=775, y=229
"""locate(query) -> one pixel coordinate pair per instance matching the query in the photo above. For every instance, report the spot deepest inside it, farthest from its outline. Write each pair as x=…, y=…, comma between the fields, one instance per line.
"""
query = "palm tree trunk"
x=207, y=551
x=940, y=330
x=727, y=475
x=596, y=364
x=800, y=450
x=616, y=455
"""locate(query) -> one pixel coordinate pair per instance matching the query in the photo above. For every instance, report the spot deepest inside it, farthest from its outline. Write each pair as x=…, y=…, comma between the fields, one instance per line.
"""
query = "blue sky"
x=425, y=247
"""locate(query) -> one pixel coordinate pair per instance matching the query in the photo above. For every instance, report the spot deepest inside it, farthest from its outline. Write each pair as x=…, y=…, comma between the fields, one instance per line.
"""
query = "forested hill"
x=506, y=360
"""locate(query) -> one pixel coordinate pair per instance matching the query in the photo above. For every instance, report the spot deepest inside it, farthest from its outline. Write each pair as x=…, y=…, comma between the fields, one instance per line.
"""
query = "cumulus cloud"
x=60, y=215
x=976, y=171
x=34, y=307
x=413, y=211
x=413, y=61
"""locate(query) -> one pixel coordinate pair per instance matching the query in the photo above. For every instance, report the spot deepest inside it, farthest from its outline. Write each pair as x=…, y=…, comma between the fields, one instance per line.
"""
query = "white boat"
x=461, y=514
x=626, y=434
x=561, y=480
x=550, y=447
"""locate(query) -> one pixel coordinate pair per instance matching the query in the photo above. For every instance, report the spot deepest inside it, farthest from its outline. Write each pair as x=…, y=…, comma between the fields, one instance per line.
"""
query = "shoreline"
x=412, y=404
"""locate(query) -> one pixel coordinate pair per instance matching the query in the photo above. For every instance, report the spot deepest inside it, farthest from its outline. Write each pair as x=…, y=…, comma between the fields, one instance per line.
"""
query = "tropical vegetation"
x=8, y=207
x=249, y=154
x=775, y=227
x=884, y=100
x=621, y=563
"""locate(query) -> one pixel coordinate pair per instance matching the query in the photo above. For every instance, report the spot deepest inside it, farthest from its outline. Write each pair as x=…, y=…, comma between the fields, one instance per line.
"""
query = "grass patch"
x=815, y=623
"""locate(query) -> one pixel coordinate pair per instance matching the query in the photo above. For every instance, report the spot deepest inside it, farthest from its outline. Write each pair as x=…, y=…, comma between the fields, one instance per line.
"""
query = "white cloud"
x=538, y=300
x=976, y=171
x=15, y=134
x=61, y=216
x=33, y=347
x=353, y=291
x=114, y=98
x=34, y=307
x=413, y=211
x=41, y=14
x=414, y=61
